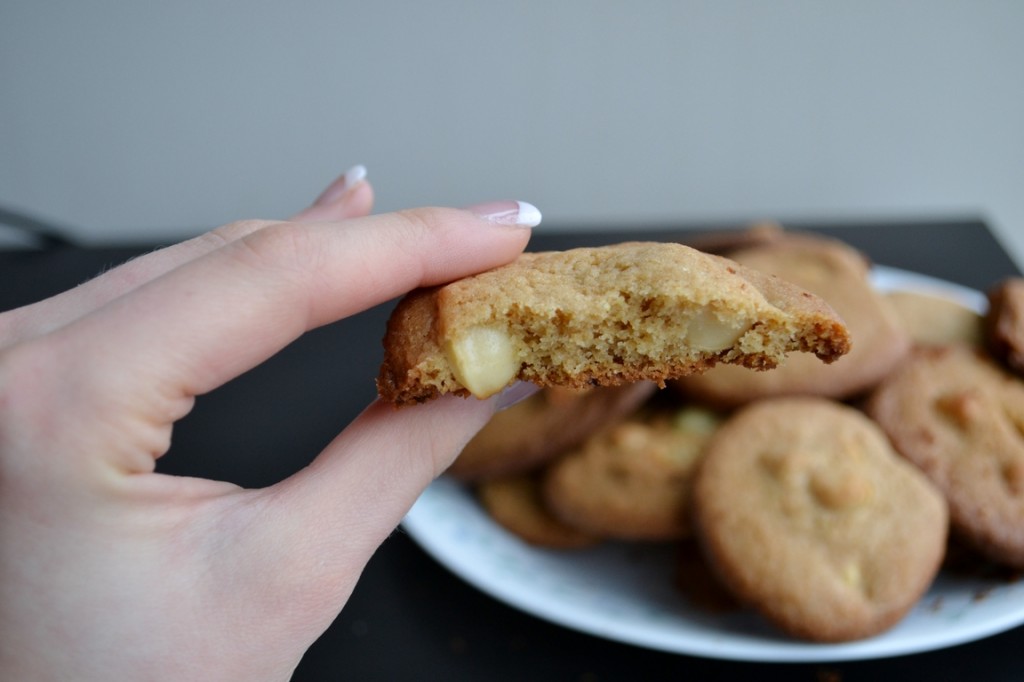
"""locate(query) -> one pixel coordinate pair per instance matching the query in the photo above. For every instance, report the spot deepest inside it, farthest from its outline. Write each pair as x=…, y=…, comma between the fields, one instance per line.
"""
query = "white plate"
x=625, y=592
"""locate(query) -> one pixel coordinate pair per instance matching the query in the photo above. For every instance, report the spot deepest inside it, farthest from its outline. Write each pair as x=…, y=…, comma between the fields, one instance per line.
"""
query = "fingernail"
x=517, y=213
x=337, y=189
x=516, y=393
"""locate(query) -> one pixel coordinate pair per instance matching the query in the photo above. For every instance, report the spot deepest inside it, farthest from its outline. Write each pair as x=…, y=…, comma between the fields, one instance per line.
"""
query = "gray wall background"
x=134, y=120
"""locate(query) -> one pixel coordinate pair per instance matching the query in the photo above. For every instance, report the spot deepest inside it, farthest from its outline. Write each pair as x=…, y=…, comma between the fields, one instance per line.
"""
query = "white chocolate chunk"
x=697, y=420
x=706, y=332
x=483, y=360
x=852, y=576
x=841, y=490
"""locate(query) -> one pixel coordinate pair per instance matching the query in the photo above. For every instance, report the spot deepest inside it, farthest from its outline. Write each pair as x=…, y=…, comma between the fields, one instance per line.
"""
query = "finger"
x=316, y=530
x=382, y=461
x=215, y=317
x=345, y=503
x=45, y=316
x=349, y=196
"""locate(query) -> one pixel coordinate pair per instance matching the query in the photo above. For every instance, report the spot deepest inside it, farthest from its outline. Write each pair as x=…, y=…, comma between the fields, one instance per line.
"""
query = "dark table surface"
x=409, y=618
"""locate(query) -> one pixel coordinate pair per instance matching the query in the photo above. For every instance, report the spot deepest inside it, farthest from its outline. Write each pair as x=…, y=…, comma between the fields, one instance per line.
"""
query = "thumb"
x=360, y=487
x=307, y=539
x=366, y=480
x=334, y=513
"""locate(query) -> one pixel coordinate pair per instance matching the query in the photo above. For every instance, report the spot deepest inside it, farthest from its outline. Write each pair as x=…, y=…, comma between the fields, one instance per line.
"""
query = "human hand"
x=109, y=570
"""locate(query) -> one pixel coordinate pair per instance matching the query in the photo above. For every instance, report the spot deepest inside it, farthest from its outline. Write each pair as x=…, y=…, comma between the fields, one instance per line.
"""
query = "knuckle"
x=277, y=245
x=420, y=222
x=225, y=234
x=419, y=231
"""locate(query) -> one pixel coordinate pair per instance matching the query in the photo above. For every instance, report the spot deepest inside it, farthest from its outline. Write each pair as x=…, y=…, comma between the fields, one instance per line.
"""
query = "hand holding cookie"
x=110, y=570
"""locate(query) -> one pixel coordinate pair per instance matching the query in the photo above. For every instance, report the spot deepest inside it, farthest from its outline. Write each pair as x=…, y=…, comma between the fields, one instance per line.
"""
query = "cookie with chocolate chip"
x=806, y=513
x=632, y=480
x=528, y=434
x=959, y=417
x=516, y=503
x=1004, y=323
x=840, y=275
x=935, y=320
x=604, y=316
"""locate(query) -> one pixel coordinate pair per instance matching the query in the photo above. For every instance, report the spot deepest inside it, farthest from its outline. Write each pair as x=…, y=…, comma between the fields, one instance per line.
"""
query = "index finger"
x=211, y=319
x=45, y=316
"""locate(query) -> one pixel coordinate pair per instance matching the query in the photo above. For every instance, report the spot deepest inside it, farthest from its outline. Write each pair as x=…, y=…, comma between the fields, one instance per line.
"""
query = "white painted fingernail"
x=515, y=213
x=355, y=175
x=340, y=187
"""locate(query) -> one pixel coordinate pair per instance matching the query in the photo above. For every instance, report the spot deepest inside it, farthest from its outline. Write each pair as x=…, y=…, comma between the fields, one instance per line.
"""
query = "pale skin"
x=111, y=571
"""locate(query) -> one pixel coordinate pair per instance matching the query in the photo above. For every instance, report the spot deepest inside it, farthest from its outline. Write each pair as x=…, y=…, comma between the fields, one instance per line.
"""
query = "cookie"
x=959, y=416
x=632, y=480
x=839, y=274
x=516, y=504
x=724, y=242
x=935, y=320
x=1004, y=323
x=806, y=513
x=544, y=425
x=598, y=316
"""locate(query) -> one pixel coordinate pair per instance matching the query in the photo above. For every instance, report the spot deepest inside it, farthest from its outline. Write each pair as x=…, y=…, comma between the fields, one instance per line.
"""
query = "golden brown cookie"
x=724, y=242
x=543, y=426
x=807, y=514
x=935, y=320
x=1004, y=323
x=960, y=417
x=632, y=481
x=515, y=503
x=839, y=274
x=598, y=316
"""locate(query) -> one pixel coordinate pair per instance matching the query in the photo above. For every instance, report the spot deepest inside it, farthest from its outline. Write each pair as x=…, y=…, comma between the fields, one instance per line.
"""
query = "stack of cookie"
x=821, y=495
x=956, y=410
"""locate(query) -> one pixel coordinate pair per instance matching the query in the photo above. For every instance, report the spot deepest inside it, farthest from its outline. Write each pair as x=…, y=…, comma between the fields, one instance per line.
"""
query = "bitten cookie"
x=1004, y=323
x=632, y=481
x=598, y=316
x=839, y=274
x=545, y=425
x=515, y=503
x=807, y=514
x=960, y=418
